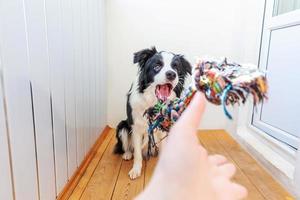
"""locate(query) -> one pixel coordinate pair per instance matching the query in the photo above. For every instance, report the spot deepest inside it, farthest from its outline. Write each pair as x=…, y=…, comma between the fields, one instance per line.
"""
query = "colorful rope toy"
x=222, y=83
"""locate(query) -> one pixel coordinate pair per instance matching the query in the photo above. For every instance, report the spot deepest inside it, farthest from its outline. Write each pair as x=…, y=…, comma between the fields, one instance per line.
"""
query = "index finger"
x=190, y=118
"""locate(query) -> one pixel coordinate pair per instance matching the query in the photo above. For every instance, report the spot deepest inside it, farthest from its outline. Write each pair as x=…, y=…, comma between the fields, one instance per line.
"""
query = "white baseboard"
x=278, y=160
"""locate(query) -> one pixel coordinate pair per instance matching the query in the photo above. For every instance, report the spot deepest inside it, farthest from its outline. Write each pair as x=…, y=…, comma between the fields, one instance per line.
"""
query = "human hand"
x=185, y=171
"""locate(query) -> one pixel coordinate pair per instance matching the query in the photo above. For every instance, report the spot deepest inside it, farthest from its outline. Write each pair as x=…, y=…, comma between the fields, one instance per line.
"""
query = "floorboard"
x=79, y=189
x=150, y=165
x=263, y=181
x=213, y=147
x=127, y=189
x=107, y=175
x=102, y=183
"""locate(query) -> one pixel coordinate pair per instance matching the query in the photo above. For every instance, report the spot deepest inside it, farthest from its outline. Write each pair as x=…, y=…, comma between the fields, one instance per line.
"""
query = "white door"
x=279, y=116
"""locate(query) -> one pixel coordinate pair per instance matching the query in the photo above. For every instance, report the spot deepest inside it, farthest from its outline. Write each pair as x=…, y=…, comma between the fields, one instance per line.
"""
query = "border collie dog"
x=161, y=75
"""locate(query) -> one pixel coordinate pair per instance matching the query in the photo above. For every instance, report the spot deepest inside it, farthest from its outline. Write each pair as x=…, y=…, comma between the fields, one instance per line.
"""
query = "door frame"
x=270, y=24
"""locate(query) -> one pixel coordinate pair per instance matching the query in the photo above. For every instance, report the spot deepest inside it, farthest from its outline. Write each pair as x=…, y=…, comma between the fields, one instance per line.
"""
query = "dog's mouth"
x=162, y=92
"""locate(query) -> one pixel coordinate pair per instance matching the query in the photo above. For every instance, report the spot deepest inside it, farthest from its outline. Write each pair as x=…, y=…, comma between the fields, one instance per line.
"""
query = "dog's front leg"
x=137, y=138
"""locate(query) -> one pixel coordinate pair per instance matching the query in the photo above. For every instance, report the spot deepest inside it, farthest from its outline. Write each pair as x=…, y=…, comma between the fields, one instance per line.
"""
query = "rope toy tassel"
x=222, y=83
x=223, y=98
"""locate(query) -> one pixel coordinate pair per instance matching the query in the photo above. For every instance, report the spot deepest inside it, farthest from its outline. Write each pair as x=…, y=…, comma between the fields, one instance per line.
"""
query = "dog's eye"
x=175, y=65
x=157, y=68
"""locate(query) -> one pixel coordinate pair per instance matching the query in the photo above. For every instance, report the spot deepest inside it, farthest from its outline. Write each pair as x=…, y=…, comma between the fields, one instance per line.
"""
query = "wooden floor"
x=107, y=175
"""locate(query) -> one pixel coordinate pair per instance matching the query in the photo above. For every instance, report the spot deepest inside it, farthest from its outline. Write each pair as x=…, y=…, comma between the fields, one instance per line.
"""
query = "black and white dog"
x=161, y=76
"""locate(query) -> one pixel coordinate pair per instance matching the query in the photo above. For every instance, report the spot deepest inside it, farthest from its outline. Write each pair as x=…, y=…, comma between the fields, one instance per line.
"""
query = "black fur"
x=129, y=108
x=125, y=124
x=119, y=146
x=145, y=60
x=183, y=70
x=148, y=60
x=142, y=56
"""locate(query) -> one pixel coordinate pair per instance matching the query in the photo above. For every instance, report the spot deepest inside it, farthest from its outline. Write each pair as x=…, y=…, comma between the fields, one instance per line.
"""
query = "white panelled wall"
x=52, y=86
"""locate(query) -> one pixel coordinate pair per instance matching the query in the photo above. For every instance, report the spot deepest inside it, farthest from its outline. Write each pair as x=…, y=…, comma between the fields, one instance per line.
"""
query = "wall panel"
x=40, y=83
x=57, y=79
x=90, y=72
x=102, y=69
x=6, y=187
x=92, y=59
x=97, y=71
x=18, y=98
x=68, y=63
x=78, y=63
x=52, y=98
x=86, y=66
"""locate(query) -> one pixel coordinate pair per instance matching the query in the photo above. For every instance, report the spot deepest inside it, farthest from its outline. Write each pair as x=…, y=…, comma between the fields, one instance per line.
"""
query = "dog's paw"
x=135, y=172
x=127, y=155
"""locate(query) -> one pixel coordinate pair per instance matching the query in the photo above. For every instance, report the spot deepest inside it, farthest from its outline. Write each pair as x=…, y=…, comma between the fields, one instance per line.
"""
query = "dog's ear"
x=142, y=56
x=186, y=65
x=183, y=71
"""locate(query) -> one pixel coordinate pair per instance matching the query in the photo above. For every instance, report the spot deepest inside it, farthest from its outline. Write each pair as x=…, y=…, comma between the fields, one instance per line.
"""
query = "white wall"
x=191, y=27
x=249, y=39
x=52, y=81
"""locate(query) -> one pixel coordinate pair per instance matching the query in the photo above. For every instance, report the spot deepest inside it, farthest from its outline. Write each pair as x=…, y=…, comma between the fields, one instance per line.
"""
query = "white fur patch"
x=160, y=78
x=139, y=103
x=125, y=140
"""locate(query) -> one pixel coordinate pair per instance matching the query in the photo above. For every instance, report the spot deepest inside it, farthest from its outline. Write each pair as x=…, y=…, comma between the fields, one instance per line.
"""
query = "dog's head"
x=164, y=70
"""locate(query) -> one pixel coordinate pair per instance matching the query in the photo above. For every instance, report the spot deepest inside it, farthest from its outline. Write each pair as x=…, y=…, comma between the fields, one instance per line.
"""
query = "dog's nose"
x=171, y=75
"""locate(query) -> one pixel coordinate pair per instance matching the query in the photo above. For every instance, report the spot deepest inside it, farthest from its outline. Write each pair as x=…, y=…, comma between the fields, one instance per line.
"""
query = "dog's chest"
x=142, y=101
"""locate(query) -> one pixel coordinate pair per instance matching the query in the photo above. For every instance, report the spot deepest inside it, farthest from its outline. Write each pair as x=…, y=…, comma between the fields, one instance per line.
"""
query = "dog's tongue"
x=163, y=92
